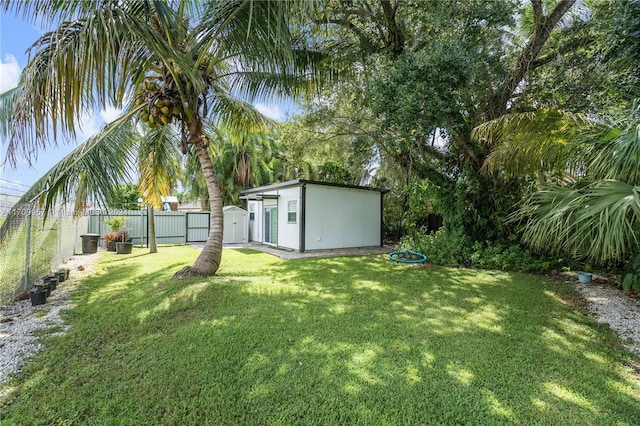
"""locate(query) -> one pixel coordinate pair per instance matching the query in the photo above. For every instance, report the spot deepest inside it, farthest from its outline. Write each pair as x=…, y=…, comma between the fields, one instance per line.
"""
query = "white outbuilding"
x=306, y=215
x=236, y=225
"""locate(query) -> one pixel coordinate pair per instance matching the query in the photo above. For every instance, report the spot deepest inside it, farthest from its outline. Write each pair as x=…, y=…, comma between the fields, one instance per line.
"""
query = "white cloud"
x=9, y=73
x=86, y=127
x=110, y=113
x=274, y=112
x=90, y=124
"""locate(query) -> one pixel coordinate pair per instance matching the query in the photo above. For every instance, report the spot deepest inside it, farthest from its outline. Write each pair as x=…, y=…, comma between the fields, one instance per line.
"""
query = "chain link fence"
x=33, y=246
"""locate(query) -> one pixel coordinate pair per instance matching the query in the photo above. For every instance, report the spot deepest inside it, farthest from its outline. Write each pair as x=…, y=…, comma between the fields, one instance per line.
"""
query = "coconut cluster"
x=162, y=105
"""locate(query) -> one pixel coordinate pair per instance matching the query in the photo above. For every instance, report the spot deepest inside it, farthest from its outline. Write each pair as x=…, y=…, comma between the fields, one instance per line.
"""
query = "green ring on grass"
x=420, y=258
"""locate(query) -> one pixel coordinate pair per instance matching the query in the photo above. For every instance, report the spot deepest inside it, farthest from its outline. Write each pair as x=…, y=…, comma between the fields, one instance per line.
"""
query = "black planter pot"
x=90, y=243
x=61, y=276
x=38, y=296
x=124, y=248
x=52, y=280
x=110, y=245
x=66, y=272
x=46, y=286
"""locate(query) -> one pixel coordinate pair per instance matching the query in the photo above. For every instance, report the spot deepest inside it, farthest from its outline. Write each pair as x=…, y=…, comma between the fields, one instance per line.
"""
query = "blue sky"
x=16, y=35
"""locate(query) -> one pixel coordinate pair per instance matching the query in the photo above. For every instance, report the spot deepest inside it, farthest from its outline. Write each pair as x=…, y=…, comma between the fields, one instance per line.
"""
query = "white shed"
x=236, y=225
x=307, y=215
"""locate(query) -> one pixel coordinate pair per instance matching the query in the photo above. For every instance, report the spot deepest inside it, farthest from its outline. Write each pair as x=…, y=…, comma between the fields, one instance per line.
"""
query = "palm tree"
x=594, y=211
x=169, y=63
x=99, y=165
x=159, y=168
x=241, y=162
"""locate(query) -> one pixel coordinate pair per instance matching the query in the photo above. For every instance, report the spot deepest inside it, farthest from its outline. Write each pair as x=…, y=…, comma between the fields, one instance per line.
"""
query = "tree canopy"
x=463, y=108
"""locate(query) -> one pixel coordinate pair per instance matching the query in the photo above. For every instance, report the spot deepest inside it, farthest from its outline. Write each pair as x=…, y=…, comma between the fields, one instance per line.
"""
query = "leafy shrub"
x=511, y=258
x=122, y=236
x=451, y=249
x=631, y=277
x=116, y=223
x=110, y=236
x=441, y=247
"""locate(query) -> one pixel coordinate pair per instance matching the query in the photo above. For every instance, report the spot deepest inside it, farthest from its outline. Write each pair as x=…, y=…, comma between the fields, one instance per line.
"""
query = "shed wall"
x=288, y=232
x=339, y=217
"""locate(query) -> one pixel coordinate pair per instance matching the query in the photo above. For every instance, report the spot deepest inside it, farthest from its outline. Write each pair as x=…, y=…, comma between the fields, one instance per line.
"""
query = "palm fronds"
x=95, y=167
x=543, y=140
x=71, y=71
x=617, y=154
x=158, y=164
x=600, y=221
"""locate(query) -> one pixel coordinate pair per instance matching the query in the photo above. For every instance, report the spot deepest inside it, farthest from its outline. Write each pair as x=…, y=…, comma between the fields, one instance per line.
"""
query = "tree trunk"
x=542, y=31
x=153, y=246
x=209, y=259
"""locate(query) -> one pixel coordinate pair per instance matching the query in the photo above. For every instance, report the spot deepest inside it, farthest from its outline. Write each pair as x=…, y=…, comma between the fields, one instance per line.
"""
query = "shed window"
x=292, y=210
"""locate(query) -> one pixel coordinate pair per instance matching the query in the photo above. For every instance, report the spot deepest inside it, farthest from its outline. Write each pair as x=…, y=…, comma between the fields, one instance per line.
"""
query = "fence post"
x=60, y=258
x=27, y=260
x=147, y=223
x=140, y=205
x=75, y=239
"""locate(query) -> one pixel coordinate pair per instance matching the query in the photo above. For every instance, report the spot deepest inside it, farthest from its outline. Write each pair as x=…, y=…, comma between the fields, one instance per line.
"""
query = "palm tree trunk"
x=153, y=245
x=209, y=259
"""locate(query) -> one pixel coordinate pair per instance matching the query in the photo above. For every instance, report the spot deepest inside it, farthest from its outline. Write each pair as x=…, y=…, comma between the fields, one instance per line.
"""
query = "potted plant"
x=123, y=242
x=38, y=296
x=46, y=285
x=66, y=272
x=52, y=280
x=110, y=240
x=115, y=224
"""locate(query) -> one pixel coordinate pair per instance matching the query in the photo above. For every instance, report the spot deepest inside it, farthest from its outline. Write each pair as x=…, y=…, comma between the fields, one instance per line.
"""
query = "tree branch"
x=529, y=54
x=395, y=39
x=537, y=11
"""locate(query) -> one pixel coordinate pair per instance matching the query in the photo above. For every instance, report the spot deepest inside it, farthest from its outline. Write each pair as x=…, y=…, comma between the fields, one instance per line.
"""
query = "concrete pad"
x=291, y=254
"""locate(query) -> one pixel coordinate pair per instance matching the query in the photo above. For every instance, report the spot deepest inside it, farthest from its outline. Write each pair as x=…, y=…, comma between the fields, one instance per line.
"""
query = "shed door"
x=235, y=227
x=271, y=225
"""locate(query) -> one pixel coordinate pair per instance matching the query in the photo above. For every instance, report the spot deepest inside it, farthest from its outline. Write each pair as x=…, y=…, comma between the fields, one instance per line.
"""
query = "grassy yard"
x=353, y=340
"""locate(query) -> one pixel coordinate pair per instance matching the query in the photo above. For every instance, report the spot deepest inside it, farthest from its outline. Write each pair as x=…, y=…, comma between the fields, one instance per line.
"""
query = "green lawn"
x=352, y=340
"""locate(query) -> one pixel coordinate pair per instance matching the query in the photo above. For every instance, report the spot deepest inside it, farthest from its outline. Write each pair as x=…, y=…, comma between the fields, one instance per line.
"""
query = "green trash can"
x=89, y=243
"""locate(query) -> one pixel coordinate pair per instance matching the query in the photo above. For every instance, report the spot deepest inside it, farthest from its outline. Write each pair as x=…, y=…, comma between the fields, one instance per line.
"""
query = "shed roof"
x=300, y=182
x=229, y=208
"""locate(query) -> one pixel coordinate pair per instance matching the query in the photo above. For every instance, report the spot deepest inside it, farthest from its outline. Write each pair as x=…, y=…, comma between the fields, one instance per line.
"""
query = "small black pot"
x=61, y=276
x=46, y=286
x=38, y=296
x=124, y=248
x=52, y=280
